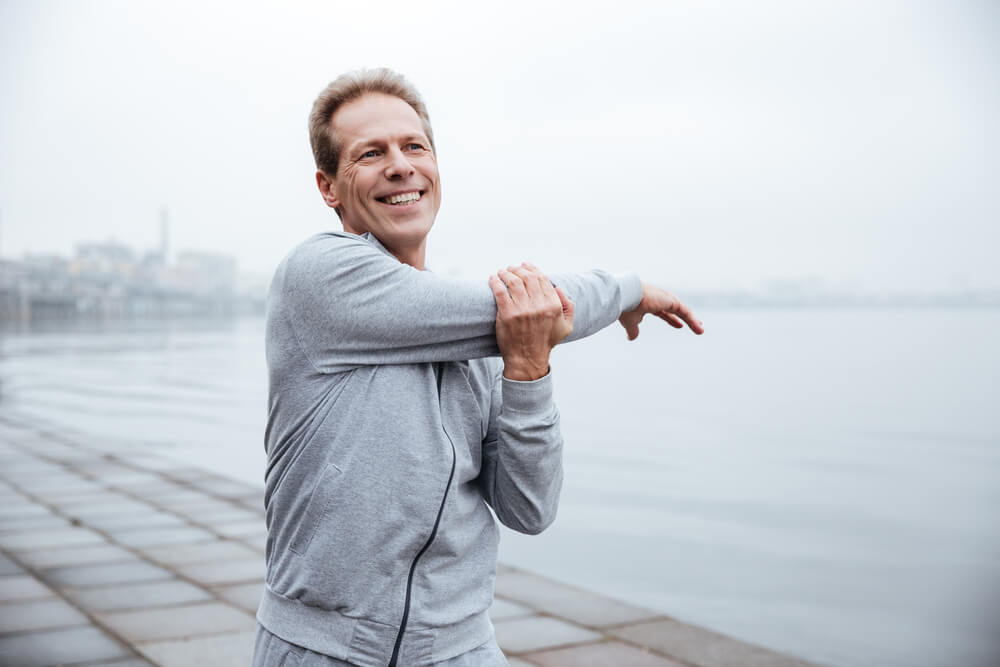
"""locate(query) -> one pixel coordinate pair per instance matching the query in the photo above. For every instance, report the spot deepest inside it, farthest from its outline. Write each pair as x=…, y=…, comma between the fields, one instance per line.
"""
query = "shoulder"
x=326, y=254
x=323, y=246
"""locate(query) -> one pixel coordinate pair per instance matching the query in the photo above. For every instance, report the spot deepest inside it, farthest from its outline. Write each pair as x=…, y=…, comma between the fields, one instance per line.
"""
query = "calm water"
x=824, y=482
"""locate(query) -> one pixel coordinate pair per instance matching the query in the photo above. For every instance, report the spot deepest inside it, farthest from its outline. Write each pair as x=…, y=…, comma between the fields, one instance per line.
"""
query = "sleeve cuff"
x=631, y=291
x=527, y=395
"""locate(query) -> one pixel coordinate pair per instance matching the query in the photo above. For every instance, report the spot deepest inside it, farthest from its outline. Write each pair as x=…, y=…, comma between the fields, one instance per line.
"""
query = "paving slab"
x=181, y=496
x=531, y=633
x=178, y=622
x=506, y=609
x=7, y=566
x=58, y=647
x=154, y=490
x=257, y=542
x=122, y=506
x=195, y=507
x=86, y=576
x=517, y=662
x=255, y=503
x=240, y=528
x=221, y=650
x=131, y=479
x=146, y=537
x=187, y=473
x=53, y=537
x=225, y=572
x=569, y=602
x=40, y=615
x=229, y=515
x=33, y=523
x=53, y=486
x=138, y=595
x=244, y=596
x=150, y=462
x=603, y=654
x=75, y=555
x=18, y=587
x=225, y=488
x=153, y=518
x=101, y=497
x=26, y=508
x=182, y=554
x=703, y=647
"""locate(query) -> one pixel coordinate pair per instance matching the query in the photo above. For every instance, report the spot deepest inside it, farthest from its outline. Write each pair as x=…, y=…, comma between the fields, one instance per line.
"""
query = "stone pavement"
x=115, y=556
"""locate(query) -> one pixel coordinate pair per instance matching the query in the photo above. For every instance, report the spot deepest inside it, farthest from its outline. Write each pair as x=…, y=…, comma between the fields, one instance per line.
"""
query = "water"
x=822, y=482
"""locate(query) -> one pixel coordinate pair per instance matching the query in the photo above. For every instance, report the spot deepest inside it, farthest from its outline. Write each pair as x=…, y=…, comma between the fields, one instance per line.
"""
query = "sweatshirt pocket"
x=317, y=511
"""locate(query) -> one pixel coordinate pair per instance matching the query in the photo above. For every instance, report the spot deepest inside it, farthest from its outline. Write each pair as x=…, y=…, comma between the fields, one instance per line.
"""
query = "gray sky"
x=702, y=144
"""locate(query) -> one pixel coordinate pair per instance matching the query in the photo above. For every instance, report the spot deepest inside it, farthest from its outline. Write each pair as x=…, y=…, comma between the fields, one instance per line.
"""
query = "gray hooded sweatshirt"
x=391, y=433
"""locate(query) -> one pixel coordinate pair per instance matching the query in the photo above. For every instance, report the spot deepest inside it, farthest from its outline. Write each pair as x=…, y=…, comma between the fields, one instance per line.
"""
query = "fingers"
x=685, y=314
x=532, y=280
x=545, y=285
x=515, y=285
x=568, y=307
x=500, y=293
x=670, y=319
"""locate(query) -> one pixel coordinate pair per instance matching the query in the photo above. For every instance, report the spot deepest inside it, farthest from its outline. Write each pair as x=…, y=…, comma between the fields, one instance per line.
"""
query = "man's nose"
x=398, y=166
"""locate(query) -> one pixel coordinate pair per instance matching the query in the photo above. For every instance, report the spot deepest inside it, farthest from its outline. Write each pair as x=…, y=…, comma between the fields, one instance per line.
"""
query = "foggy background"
x=821, y=481
x=705, y=145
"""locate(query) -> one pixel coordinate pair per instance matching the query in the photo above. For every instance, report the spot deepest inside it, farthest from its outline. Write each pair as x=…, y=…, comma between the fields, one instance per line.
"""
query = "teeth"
x=404, y=198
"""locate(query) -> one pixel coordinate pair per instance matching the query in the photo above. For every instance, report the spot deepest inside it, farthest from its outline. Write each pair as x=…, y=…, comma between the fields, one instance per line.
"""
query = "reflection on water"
x=824, y=482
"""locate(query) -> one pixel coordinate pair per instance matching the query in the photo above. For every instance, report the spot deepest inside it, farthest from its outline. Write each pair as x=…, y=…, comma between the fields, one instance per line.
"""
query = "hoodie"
x=391, y=435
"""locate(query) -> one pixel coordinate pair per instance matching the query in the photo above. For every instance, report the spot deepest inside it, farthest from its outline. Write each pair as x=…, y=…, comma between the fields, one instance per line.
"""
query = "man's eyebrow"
x=378, y=141
x=357, y=145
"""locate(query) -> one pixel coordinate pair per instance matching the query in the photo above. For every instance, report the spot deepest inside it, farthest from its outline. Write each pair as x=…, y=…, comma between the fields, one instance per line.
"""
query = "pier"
x=114, y=556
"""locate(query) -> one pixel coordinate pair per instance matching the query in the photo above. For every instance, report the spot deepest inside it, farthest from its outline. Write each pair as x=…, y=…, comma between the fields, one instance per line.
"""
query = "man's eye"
x=415, y=147
x=369, y=154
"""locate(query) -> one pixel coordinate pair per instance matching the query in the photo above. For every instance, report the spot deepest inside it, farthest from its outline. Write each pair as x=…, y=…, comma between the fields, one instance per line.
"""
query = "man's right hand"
x=663, y=304
x=532, y=317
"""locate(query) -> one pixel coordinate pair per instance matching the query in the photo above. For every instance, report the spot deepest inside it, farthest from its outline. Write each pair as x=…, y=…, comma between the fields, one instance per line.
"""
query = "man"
x=392, y=426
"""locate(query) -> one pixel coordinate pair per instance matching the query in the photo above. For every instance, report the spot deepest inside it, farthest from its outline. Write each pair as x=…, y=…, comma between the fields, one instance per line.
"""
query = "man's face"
x=387, y=181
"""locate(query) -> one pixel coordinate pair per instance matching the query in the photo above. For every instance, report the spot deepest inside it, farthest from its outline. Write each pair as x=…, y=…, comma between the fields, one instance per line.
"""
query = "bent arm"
x=522, y=473
x=351, y=304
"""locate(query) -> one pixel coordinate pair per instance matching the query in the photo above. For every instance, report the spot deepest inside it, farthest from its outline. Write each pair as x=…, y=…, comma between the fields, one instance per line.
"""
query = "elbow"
x=531, y=522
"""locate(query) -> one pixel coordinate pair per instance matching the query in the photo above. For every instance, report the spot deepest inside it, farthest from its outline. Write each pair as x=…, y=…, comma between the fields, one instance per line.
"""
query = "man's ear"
x=326, y=189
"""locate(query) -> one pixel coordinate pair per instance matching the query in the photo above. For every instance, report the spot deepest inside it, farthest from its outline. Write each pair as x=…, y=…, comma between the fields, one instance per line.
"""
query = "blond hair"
x=345, y=88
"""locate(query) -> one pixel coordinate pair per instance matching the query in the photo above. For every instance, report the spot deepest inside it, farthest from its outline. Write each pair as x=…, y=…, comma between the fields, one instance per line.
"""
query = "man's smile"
x=402, y=198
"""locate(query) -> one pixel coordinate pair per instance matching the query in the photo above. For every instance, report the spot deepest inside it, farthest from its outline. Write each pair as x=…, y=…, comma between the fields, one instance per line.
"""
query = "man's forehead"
x=376, y=116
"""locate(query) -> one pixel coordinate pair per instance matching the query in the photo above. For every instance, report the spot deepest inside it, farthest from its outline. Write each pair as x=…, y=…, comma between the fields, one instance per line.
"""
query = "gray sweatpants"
x=273, y=651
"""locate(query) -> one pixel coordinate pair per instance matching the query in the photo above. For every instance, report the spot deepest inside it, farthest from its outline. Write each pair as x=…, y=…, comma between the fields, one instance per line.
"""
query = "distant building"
x=202, y=272
x=107, y=258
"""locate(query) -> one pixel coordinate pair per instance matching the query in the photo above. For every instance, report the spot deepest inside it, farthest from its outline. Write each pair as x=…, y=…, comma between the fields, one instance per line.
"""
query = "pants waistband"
x=365, y=642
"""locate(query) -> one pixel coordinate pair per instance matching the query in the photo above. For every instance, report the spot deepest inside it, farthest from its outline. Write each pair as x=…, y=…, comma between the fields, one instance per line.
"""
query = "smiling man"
x=404, y=405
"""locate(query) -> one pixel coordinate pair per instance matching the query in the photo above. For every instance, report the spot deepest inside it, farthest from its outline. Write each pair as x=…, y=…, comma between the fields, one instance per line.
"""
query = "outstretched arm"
x=351, y=304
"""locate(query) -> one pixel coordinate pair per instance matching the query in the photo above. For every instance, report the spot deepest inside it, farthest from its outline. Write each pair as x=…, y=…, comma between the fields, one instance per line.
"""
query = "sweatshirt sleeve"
x=522, y=473
x=351, y=304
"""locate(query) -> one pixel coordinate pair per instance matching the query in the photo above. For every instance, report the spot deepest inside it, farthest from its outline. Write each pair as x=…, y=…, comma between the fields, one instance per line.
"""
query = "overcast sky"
x=702, y=144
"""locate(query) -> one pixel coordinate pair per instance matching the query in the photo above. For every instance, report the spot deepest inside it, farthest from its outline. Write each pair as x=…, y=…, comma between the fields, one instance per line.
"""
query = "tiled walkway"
x=118, y=557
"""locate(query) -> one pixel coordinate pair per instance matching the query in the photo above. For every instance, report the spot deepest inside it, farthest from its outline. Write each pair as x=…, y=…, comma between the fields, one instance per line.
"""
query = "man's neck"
x=414, y=256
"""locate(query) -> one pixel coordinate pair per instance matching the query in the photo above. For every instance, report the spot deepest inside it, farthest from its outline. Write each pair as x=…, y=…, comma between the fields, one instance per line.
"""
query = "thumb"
x=631, y=323
x=568, y=306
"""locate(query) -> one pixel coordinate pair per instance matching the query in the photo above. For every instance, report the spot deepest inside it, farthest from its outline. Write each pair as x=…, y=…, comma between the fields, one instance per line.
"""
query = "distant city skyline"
x=702, y=146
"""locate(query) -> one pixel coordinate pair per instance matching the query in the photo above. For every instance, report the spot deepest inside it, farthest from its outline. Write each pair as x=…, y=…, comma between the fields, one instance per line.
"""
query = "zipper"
x=438, y=371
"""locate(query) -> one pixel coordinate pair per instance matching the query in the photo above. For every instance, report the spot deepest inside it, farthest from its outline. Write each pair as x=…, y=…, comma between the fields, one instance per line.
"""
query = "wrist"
x=525, y=370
